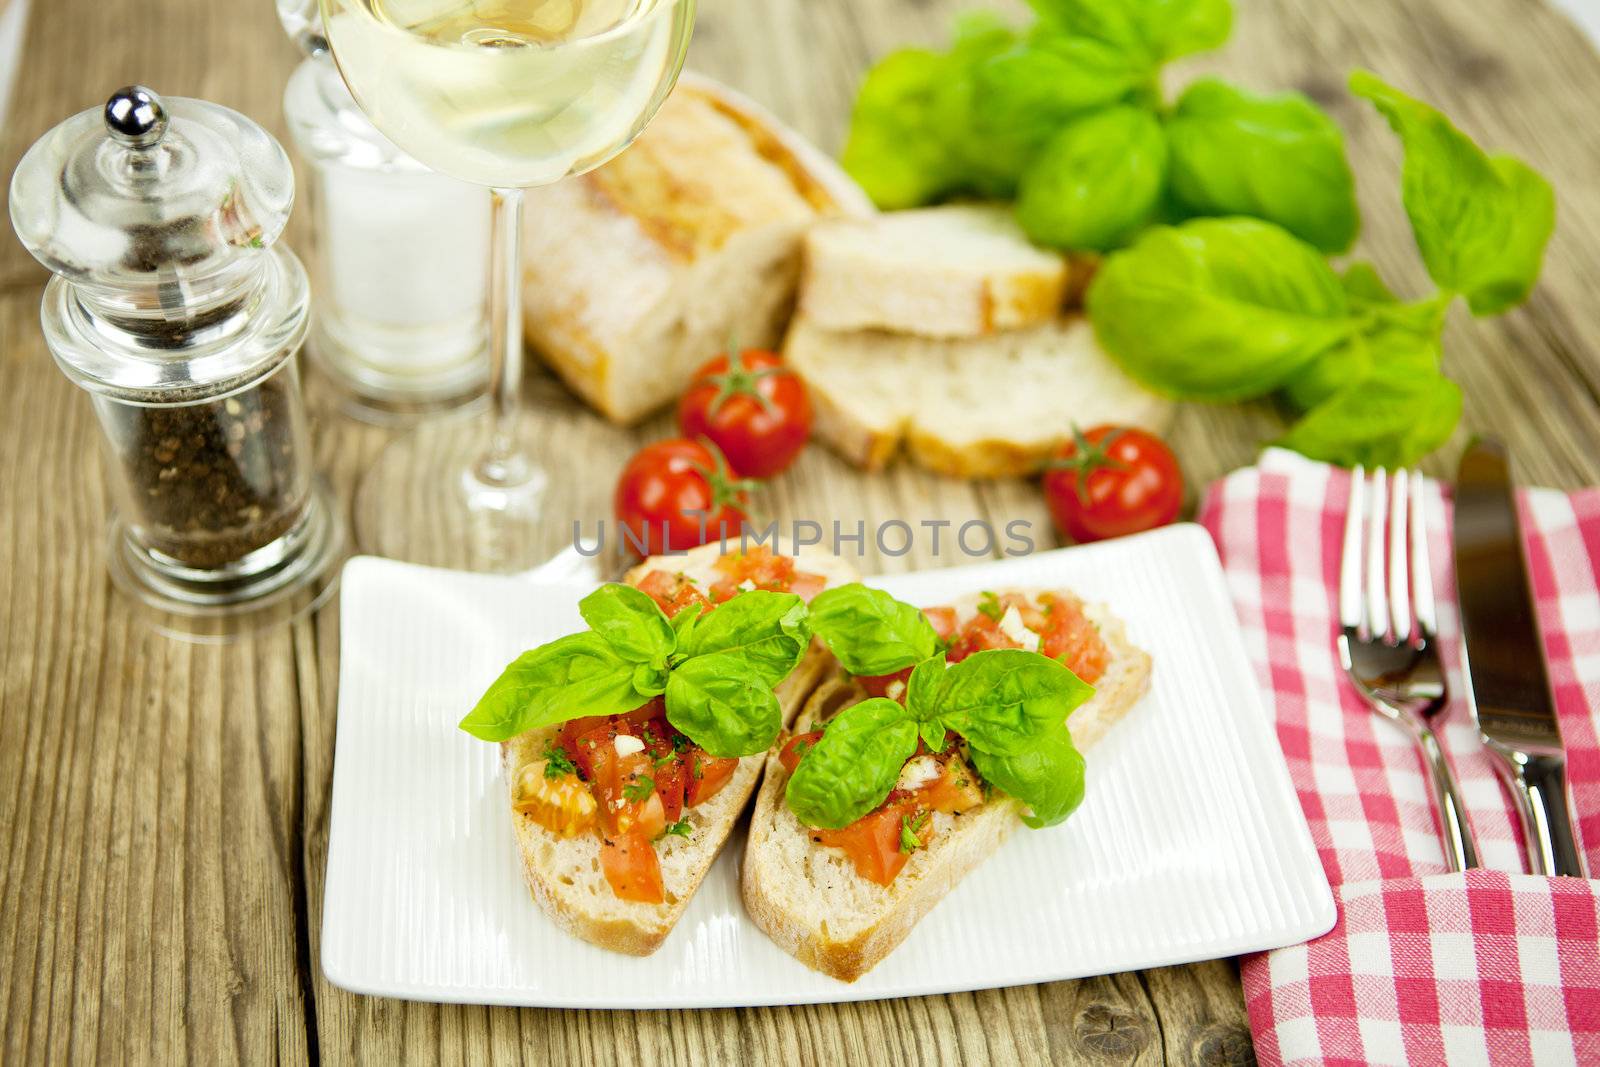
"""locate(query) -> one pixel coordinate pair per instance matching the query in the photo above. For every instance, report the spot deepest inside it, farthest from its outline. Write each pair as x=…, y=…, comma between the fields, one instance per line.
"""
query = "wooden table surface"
x=165, y=805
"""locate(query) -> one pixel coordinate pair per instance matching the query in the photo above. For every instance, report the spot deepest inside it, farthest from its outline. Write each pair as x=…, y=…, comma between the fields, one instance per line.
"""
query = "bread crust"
x=770, y=896
x=637, y=272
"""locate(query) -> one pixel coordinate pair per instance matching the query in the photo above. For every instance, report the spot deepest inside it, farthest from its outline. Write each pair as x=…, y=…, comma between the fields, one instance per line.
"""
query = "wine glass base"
x=431, y=499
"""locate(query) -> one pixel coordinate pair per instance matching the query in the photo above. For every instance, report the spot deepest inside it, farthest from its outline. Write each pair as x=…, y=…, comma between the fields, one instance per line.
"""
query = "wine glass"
x=508, y=94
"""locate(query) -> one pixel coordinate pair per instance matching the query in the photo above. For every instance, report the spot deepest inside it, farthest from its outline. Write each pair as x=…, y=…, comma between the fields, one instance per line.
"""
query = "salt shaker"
x=174, y=309
x=400, y=270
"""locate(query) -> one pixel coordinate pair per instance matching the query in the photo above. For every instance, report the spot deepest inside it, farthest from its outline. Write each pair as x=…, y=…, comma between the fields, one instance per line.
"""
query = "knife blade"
x=1508, y=686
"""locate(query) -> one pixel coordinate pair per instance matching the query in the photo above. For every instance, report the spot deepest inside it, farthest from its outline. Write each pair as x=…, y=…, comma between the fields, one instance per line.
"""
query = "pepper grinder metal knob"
x=136, y=117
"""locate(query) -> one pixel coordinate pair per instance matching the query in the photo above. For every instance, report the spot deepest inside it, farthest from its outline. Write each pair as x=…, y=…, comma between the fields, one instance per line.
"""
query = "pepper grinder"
x=401, y=255
x=174, y=309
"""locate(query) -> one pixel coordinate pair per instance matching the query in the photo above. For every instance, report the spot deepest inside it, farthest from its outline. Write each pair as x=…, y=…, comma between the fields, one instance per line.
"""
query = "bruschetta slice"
x=617, y=818
x=842, y=899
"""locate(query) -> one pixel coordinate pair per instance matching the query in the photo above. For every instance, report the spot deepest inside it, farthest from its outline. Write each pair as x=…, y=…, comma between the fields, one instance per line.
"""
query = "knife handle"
x=1538, y=787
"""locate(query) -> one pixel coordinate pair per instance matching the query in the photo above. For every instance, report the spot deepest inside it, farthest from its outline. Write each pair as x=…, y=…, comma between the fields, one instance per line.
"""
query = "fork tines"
x=1385, y=584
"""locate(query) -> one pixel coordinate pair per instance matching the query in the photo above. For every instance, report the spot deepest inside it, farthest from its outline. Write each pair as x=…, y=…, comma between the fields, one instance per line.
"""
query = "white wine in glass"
x=508, y=94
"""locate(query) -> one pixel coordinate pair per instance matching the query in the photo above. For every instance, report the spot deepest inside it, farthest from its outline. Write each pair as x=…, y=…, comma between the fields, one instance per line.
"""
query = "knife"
x=1508, y=688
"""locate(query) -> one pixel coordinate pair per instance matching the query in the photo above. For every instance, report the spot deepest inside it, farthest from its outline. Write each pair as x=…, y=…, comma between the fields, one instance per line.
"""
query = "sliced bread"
x=961, y=270
x=638, y=272
x=810, y=900
x=985, y=407
x=564, y=873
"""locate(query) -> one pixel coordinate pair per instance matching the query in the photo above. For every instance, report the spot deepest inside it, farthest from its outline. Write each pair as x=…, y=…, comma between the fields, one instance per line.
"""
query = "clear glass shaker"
x=400, y=269
x=174, y=310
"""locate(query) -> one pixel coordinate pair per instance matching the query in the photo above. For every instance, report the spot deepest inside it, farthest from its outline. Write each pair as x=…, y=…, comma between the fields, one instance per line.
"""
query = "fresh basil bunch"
x=717, y=671
x=1235, y=308
x=1010, y=705
x=1068, y=117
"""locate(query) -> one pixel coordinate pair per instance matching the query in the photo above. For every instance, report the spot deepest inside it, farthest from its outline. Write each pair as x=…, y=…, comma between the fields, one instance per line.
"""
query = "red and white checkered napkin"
x=1423, y=966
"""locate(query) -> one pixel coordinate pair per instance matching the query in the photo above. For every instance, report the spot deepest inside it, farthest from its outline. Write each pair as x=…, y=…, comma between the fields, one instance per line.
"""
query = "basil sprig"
x=1236, y=299
x=717, y=671
x=1010, y=705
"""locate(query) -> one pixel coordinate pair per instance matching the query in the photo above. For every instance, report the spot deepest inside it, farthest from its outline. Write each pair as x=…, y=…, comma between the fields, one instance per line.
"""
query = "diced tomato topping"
x=707, y=776
x=580, y=739
x=761, y=568
x=805, y=586
x=797, y=747
x=955, y=790
x=879, y=684
x=944, y=621
x=672, y=779
x=1033, y=617
x=1066, y=634
x=631, y=867
x=980, y=634
x=873, y=842
x=1070, y=636
x=672, y=592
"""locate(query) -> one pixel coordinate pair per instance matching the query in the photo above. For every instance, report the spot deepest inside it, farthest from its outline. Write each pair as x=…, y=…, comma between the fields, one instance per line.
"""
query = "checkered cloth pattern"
x=1423, y=966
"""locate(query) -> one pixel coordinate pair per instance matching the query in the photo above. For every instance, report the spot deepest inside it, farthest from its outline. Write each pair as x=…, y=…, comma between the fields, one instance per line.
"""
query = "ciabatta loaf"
x=564, y=873
x=983, y=407
x=638, y=272
x=810, y=900
x=960, y=270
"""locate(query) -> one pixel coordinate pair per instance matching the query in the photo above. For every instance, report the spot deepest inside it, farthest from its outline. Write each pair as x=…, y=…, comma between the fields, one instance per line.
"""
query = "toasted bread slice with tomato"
x=810, y=899
x=564, y=873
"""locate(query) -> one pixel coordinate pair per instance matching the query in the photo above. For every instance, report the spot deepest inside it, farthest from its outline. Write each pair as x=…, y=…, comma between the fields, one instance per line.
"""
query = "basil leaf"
x=1002, y=700
x=580, y=674
x=1403, y=337
x=870, y=631
x=1364, y=287
x=723, y=705
x=1217, y=309
x=854, y=765
x=925, y=687
x=1391, y=416
x=763, y=630
x=684, y=622
x=1007, y=107
x=1097, y=182
x=979, y=156
x=896, y=146
x=1481, y=222
x=1277, y=157
x=1158, y=30
x=1048, y=776
x=630, y=622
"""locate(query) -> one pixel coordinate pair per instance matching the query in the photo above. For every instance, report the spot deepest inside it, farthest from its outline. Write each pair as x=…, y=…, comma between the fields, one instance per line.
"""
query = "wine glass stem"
x=503, y=463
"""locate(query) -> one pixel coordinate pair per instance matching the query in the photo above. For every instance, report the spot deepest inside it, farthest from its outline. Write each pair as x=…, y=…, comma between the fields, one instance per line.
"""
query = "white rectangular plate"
x=1190, y=844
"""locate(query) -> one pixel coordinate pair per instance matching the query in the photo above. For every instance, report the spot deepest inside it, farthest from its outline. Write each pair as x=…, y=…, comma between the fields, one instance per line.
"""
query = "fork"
x=1388, y=640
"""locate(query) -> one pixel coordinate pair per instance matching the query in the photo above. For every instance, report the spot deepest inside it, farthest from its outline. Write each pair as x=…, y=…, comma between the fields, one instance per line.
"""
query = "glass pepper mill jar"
x=172, y=307
x=400, y=265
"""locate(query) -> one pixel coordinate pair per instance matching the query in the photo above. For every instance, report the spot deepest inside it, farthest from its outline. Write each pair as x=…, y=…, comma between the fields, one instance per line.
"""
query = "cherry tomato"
x=675, y=495
x=1113, y=481
x=755, y=410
